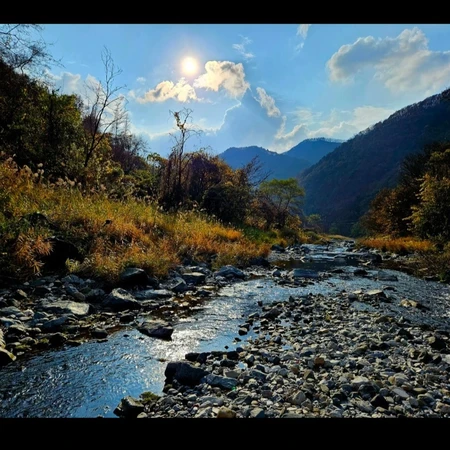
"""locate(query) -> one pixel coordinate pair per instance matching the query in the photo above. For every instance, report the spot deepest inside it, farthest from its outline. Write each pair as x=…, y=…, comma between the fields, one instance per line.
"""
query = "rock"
x=257, y=374
x=276, y=273
x=360, y=272
x=379, y=400
x=133, y=276
x=153, y=294
x=400, y=392
x=384, y=276
x=42, y=291
x=6, y=357
x=375, y=258
x=73, y=279
x=99, y=333
x=358, y=381
x=272, y=313
x=229, y=272
x=364, y=406
x=242, y=331
x=10, y=311
x=119, y=299
x=297, y=398
x=319, y=361
x=303, y=273
x=178, y=285
x=375, y=293
x=75, y=293
x=257, y=413
x=194, y=278
x=157, y=329
x=226, y=413
x=61, y=251
x=129, y=407
x=437, y=343
x=2, y=339
x=17, y=330
x=278, y=248
x=259, y=261
x=221, y=382
x=54, y=325
x=57, y=339
x=66, y=307
x=184, y=373
x=95, y=295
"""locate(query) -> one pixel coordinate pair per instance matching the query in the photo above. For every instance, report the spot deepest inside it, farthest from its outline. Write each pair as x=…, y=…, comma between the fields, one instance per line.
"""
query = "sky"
x=270, y=85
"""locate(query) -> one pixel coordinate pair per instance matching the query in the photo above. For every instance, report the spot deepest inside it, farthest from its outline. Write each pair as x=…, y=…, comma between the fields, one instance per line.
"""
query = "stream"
x=90, y=380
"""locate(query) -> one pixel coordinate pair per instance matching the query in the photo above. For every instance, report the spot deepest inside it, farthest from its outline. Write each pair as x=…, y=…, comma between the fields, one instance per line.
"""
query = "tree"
x=21, y=51
x=280, y=199
x=103, y=109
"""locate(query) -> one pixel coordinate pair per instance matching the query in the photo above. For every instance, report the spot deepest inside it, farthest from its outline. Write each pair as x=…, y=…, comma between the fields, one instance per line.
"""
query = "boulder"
x=133, y=276
x=66, y=307
x=157, y=329
x=129, y=408
x=229, y=272
x=119, y=299
x=220, y=382
x=304, y=273
x=194, y=278
x=178, y=285
x=184, y=373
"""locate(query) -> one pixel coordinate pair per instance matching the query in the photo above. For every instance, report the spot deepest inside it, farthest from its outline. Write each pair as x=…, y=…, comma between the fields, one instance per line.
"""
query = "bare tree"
x=104, y=110
x=22, y=48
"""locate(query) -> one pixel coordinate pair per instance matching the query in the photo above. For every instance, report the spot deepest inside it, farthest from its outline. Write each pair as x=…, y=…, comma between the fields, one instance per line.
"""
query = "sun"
x=189, y=65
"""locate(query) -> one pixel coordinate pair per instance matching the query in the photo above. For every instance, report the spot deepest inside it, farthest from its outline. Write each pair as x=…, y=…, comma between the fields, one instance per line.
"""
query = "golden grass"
x=111, y=234
x=398, y=245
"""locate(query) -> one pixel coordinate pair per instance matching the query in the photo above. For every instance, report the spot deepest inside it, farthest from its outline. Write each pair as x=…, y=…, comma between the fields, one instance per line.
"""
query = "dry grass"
x=111, y=234
x=402, y=245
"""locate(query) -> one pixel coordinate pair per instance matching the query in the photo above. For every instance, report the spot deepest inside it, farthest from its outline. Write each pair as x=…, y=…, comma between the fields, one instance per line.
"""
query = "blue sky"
x=256, y=84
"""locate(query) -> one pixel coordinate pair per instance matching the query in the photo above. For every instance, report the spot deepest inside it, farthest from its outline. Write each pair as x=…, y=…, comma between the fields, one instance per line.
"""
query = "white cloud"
x=242, y=50
x=403, y=63
x=182, y=92
x=267, y=102
x=223, y=75
x=141, y=80
x=302, y=30
x=286, y=140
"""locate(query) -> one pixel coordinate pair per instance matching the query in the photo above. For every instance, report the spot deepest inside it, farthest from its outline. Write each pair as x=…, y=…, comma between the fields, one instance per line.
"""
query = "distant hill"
x=279, y=165
x=342, y=184
x=313, y=150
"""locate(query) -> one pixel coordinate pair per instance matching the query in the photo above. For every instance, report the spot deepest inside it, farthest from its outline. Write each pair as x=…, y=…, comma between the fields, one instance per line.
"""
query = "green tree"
x=280, y=199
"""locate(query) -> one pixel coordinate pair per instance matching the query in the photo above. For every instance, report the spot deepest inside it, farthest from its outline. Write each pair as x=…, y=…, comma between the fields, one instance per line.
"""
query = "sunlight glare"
x=189, y=65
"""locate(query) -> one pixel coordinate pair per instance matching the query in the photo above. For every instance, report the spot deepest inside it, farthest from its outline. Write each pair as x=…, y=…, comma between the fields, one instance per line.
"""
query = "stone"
x=221, y=382
x=134, y=276
x=73, y=279
x=153, y=294
x=99, y=333
x=242, y=331
x=55, y=325
x=437, y=343
x=277, y=248
x=257, y=374
x=119, y=299
x=95, y=295
x=226, y=413
x=20, y=295
x=379, y=401
x=257, y=413
x=297, y=398
x=184, y=373
x=194, y=278
x=384, y=276
x=229, y=272
x=66, y=307
x=178, y=285
x=259, y=261
x=129, y=407
x=400, y=392
x=360, y=272
x=358, y=381
x=304, y=273
x=42, y=291
x=157, y=329
x=6, y=357
x=276, y=273
x=10, y=311
x=375, y=293
x=272, y=313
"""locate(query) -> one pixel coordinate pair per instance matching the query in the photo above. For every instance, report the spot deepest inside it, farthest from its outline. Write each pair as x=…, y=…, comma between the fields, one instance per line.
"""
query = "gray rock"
x=133, y=276
x=157, y=329
x=272, y=313
x=42, y=291
x=375, y=293
x=66, y=307
x=153, y=294
x=75, y=293
x=360, y=272
x=303, y=273
x=276, y=273
x=221, y=382
x=20, y=295
x=384, y=276
x=99, y=333
x=278, y=248
x=73, y=279
x=400, y=392
x=257, y=413
x=55, y=324
x=129, y=407
x=10, y=311
x=119, y=299
x=437, y=343
x=297, y=398
x=229, y=272
x=178, y=285
x=184, y=373
x=194, y=278
x=358, y=381
x=95, y=295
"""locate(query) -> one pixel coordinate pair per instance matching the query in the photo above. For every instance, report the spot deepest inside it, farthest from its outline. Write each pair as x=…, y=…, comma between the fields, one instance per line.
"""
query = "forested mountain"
x=313, y=150
x=278, y=164
x=342, y=184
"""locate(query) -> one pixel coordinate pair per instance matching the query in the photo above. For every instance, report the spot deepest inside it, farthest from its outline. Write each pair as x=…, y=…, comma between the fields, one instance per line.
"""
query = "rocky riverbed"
x=319, y=348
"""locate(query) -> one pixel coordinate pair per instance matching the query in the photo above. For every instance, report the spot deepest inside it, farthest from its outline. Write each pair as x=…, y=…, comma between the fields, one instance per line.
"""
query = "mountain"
x=313, y=150
x=342, y=184
x=279, y=165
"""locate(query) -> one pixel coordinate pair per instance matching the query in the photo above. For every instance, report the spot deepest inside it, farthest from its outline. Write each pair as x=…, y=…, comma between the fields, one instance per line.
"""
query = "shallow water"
x=90, y=380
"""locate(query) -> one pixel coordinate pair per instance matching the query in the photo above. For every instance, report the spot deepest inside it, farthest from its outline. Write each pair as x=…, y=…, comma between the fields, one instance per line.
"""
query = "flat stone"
x=119, y=299
x=221, y=382
x=297, y=398
x=157, y=329
x=129, y=407
x=10, y=311
x=400, y=392
x=226, y=413
x=257, y=413
x=304, y=273
x=153, y=294
x=66, y=307
x=194, y=278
